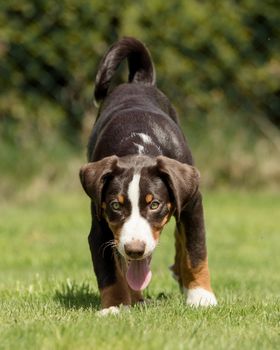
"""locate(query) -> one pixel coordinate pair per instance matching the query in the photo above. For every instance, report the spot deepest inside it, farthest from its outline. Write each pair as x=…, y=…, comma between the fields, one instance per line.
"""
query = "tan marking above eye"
x=103, y=205
x=120, y=198
x=149, y=197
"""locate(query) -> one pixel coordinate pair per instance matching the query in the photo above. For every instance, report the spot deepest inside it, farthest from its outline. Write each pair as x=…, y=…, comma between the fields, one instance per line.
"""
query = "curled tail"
x=141, y=69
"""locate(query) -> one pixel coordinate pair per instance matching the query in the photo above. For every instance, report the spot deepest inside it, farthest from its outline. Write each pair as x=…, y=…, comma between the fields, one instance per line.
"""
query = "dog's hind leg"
x=191, y=256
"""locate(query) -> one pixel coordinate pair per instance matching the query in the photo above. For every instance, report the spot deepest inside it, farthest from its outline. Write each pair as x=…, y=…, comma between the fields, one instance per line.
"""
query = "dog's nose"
x=135, y=249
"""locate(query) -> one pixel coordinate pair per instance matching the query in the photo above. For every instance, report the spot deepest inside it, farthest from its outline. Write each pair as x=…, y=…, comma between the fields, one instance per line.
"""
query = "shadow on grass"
x=72, y=295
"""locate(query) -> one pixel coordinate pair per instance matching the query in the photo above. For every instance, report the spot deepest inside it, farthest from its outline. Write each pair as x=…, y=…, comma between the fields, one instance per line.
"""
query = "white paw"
x=112, y=310
x=200, y=297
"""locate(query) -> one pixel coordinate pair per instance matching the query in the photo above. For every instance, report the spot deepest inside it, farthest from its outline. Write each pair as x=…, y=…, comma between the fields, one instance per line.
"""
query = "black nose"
x=135, y=249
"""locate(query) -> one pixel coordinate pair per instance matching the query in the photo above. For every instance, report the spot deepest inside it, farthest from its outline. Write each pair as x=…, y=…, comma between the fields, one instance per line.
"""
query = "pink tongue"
x=139, y=275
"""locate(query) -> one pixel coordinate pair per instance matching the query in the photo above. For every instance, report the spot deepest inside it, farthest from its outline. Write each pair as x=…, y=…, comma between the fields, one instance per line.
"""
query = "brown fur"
x=189, y=276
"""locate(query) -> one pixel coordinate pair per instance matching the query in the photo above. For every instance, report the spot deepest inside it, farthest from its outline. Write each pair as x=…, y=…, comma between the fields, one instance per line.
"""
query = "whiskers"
x=111, y=243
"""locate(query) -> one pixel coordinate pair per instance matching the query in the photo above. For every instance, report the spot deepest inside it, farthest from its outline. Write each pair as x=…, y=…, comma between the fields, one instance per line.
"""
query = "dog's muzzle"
x=135, y=249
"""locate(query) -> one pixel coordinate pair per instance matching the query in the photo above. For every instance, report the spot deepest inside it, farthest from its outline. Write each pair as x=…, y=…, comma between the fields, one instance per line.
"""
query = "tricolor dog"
x=140, y=173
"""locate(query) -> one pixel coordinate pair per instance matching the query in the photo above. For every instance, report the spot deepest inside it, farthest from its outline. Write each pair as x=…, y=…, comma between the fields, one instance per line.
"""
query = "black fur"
x=140, y=65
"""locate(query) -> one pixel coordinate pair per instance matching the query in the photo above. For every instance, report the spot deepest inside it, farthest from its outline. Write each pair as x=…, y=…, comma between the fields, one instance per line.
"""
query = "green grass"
x=48, y=294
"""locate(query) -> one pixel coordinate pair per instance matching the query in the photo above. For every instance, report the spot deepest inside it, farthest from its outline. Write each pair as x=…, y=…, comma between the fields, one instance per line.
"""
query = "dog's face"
x=137, y=201
x=136, y=206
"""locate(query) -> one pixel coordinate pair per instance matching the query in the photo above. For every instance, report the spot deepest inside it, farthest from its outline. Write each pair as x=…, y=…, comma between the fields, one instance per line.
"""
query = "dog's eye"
x=115, y=205
x=154, y=205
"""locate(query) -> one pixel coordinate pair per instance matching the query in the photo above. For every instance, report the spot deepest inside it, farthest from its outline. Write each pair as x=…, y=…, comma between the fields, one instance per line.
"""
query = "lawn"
x=49, y=298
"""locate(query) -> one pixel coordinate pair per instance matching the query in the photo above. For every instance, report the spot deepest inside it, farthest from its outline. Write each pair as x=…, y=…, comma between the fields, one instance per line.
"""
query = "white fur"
x=140, y=148
x=112, y=310
x=200, y=297
x=148, y=140
x=136, y=227
x=145, y=138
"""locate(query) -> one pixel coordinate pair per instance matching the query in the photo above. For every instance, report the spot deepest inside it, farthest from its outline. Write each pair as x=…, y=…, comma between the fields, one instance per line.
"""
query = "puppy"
x=140, y=173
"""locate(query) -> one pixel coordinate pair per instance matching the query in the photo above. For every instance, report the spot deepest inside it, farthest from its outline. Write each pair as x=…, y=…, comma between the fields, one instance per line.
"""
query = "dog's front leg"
x=191, y=259
x=111, y=282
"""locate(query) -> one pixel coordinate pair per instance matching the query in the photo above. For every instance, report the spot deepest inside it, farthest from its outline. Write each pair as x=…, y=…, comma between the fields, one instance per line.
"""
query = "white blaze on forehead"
x=134, y=192
x=136, y=227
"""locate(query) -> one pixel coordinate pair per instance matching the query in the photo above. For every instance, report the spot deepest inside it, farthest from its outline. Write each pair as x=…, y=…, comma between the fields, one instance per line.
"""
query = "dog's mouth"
x=138, y=273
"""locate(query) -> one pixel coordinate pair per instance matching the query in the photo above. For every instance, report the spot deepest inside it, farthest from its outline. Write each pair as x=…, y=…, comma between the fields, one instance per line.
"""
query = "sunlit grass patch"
x=49, y=297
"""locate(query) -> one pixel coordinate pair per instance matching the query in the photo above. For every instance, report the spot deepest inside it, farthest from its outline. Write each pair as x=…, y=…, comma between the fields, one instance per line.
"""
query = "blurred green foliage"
x=49, y=51
x=218, y=61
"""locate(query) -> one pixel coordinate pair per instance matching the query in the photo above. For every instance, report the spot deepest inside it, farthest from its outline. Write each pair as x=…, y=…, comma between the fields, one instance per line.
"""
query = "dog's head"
x=137, y=196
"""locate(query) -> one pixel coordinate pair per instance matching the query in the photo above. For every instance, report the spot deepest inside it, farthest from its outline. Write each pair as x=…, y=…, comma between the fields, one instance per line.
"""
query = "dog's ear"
x=182, y=180
x=93, y=177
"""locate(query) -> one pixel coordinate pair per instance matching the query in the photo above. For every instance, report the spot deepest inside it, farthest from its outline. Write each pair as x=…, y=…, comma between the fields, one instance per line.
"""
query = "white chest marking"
x=136, y=227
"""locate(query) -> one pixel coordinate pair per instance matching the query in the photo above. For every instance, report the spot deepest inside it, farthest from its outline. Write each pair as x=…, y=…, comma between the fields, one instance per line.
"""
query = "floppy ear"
x=93, y=177
x=182, y=179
